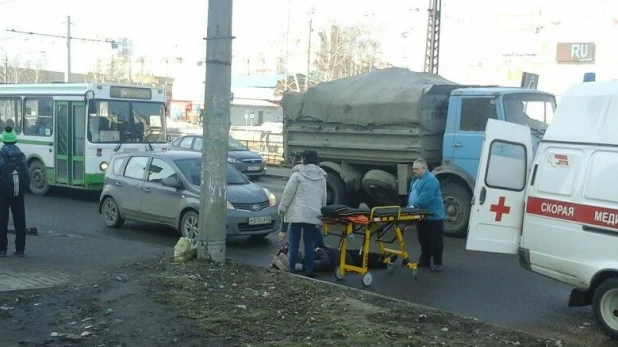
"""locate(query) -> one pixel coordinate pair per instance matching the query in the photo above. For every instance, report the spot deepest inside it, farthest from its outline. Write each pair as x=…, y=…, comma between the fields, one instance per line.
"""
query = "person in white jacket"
x=303, y=197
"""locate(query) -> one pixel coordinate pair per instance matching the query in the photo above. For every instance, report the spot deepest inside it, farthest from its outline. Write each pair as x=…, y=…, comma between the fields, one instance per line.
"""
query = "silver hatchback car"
x=164, y=187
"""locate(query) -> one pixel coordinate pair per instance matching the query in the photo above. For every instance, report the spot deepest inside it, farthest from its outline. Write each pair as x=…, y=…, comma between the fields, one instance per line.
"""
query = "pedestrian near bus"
x=303, y=197
x=14, y=180
x=425, y=193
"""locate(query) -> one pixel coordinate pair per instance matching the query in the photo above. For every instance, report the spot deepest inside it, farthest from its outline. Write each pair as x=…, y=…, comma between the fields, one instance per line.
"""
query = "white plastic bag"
x=184, y=250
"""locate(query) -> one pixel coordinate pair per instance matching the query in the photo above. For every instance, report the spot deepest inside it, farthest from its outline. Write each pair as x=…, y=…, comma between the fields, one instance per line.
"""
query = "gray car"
x=248, y=162
x=164, y=187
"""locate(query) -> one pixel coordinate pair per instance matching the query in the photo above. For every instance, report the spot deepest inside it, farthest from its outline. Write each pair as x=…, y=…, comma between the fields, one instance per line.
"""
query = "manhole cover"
x=32, y=280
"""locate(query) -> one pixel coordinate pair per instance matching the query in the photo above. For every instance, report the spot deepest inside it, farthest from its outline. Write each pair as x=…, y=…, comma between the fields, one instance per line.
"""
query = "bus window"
x=38, y=118
x=126, y=121
x=10, y=114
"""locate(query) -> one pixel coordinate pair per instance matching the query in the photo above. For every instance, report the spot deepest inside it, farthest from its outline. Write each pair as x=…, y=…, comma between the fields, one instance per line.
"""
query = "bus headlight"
x=103, y=166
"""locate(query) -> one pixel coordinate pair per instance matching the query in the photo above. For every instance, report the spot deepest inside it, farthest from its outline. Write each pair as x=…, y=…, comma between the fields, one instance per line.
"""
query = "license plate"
x=260, y=220
x=253, y=168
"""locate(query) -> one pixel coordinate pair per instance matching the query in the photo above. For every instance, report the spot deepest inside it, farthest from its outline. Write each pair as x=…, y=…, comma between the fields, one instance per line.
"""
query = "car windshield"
x=192, y=170
x=235, y=145
x=531, y=109
x=120, y=121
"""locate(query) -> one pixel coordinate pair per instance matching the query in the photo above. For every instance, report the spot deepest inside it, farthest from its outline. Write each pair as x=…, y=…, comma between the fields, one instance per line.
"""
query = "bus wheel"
x=38, y=178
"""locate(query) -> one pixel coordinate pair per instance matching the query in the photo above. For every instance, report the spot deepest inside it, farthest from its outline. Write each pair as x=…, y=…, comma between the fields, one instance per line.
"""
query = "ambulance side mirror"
x=482, y=197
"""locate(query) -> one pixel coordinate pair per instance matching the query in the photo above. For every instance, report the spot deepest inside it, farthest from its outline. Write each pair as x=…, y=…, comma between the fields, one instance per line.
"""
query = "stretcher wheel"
x=414, y=273
x=337, y=275
x=390, y=268
x=367, y=279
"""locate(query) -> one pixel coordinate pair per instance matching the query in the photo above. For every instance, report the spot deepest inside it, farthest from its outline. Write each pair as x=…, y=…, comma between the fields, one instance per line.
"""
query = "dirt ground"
x=196, y=303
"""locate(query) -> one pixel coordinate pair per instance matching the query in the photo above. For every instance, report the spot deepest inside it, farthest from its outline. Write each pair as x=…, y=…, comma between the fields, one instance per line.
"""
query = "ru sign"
x=575, y=52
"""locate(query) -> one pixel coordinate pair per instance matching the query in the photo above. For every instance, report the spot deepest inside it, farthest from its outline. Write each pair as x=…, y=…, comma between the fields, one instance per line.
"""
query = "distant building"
x=256, y=99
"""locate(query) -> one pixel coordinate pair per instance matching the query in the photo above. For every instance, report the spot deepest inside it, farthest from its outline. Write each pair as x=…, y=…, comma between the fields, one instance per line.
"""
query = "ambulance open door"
x=499, y=192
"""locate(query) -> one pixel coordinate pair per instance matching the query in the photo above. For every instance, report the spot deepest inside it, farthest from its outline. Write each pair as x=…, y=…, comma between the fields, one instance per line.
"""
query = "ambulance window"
x=610, y=126
x=603, y=168
x=506, y=167
x=558, y=171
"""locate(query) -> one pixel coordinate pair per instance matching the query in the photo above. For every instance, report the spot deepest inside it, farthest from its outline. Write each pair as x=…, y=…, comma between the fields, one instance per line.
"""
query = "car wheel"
x=111, y=213
x=189, y=225
x=605, y=307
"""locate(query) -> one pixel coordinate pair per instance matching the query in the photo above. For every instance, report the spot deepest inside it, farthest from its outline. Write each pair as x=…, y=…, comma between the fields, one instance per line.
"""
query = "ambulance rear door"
x=499, y=193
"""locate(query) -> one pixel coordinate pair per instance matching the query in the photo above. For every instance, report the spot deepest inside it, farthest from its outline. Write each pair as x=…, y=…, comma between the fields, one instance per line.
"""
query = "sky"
x=177, y=28
x=471, y=28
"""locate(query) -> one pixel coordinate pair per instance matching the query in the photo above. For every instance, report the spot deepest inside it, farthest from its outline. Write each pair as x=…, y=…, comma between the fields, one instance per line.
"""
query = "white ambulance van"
x=557, y=210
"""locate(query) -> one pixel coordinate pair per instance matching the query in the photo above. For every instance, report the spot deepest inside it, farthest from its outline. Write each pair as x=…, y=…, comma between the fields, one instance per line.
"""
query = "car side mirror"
x=172, y=181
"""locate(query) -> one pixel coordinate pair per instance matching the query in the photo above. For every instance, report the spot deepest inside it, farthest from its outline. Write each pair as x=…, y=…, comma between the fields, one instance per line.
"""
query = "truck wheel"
x=457, y=204
x=381, y=187
x=335, y=190
x=605, y=306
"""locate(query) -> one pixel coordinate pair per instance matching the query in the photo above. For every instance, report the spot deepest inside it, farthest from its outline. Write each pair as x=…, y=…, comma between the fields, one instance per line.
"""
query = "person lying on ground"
x=326, y=259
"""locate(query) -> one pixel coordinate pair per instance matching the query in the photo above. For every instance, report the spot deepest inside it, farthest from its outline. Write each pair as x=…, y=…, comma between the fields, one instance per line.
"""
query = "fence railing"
x=272, y=151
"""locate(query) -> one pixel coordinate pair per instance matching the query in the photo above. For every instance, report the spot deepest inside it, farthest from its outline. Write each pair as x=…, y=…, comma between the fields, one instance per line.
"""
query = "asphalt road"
x=489, y=287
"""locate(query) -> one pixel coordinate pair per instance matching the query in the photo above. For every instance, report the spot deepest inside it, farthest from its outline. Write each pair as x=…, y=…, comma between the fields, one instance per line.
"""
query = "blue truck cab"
x=468, y=112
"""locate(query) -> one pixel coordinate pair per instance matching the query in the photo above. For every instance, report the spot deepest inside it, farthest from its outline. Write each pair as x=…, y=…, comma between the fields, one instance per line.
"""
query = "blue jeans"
x=308, y=232
x=319, y=237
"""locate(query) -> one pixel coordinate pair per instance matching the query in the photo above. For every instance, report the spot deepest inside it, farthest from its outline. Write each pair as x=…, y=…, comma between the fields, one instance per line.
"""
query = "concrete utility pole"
x=216, y=128
x=67, y=73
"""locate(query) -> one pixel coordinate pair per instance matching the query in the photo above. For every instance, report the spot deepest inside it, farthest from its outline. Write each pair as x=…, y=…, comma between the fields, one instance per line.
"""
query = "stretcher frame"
x=378, y=225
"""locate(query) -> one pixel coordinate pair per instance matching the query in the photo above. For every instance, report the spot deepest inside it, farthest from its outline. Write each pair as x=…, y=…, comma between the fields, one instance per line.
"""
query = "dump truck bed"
x=383, y=117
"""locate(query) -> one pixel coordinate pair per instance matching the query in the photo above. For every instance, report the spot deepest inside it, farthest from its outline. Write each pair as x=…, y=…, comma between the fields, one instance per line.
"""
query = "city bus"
x=69, y=131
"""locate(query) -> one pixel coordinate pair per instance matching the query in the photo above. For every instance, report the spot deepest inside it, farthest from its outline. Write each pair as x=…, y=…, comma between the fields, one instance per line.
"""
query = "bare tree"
x=344, y=52
x=15, y=73
x=97, y=75
x=293, y=82
x=34, y=71
x=117, y=70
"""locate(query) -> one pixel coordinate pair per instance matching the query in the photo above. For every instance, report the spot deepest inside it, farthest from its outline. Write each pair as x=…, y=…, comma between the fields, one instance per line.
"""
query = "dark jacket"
x=11, y=151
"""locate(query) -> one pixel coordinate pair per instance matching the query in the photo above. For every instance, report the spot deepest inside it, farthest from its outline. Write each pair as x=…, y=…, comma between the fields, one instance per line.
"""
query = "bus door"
x=70, y=142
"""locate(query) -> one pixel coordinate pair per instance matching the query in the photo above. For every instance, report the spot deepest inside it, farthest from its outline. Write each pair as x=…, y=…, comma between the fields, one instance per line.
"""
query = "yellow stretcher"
x=368, y=223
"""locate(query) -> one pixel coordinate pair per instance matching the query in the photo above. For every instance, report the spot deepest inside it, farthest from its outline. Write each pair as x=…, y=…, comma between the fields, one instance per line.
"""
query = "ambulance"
x=557, y=209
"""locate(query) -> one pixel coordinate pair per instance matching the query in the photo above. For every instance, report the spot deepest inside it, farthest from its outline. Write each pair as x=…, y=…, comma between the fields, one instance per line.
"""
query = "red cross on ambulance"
x=500, y=208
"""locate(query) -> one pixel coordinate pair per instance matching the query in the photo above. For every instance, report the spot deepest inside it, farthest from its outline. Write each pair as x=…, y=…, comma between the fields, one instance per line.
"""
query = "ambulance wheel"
x=367, y=279
x=605, y=306
x=337, y=275
x=38, y=178
x=390, y=268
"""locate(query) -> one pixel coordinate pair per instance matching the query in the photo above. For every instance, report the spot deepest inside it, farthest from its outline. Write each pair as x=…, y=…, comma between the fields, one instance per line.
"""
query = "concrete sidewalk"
x=54, y=259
